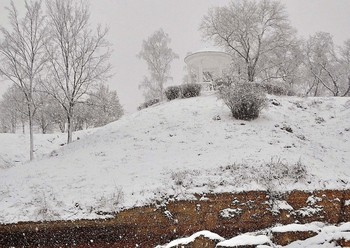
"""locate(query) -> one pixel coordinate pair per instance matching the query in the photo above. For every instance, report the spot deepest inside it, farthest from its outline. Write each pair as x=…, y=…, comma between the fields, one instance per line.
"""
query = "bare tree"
x=101, y=108
x=283, y=64
x=325, y=66
x=13, y=109
x=57, y=114
x=104, y=106
x=345, y=61
x=22, y=54
x=248, y=29
x=78, y=57
x=46, y=112
x=8, y=114
x=158, y=56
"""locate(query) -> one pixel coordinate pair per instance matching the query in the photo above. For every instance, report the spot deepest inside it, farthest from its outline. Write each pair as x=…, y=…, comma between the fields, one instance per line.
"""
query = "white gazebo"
x=206, y=63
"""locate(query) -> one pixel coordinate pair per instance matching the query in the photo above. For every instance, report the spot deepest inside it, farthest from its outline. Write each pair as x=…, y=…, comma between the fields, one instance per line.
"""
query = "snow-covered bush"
x=4, y=163
x=110, y=203
x=190, y=90
x=245, y=100
x=45, y=204
x=276, y=89
x=148, y=104
x=276, y=172
x=222, y=82
x=173, y=92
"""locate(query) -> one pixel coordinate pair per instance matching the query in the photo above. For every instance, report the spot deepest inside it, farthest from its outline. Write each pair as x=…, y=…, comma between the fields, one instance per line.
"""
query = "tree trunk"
x=69, y=128
x=23, y=127
x=316, y=89
x=70, y=124
x=62, y=126
x=43, y=124
x=347, y=92
x=13, y=125
x=251, y=73
x=31, y=139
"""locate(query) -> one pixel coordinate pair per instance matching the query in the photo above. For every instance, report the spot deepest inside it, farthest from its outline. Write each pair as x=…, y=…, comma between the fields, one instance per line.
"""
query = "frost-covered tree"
x=158, y=56
x=326, y=74
x=249, y=30
x=58, y=115
x=22, y=54
x=78, y=56
x=345, y=62
x=100, y=108
x=83, y=116
x=283, y=64
x=105, y=106
x=13, y=110
x=8, y=115
x=46, y=112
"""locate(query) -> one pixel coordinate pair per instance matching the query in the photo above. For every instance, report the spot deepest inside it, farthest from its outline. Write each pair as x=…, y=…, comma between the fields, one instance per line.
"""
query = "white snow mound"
x=187, y=240
x=176, y=149
x=245, y=239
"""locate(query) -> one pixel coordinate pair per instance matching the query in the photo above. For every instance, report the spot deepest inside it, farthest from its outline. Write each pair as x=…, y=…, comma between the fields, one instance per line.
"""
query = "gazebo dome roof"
x=207, y=58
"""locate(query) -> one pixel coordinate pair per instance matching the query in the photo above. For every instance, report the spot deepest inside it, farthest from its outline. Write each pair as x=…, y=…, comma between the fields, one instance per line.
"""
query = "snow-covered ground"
x=187, y=240
x=325, y=237
x=15, y=147
x=178, y=148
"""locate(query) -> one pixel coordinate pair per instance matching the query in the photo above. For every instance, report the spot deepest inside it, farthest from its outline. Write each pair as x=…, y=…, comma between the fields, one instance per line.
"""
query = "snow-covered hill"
x=179, y=148
x=15, y=147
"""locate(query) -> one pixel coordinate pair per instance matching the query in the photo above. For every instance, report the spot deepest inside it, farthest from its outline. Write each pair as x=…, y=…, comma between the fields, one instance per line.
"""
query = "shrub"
x=245, y=100
x=172, y=92
x=190, y=90
x=276, y=89
x=222, y=82
x=148, y=104
x=110, y=204
x=277, y=171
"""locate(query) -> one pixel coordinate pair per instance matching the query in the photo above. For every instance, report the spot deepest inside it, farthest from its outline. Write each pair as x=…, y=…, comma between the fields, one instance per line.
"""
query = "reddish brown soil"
x=149, y=226
x=286, y=238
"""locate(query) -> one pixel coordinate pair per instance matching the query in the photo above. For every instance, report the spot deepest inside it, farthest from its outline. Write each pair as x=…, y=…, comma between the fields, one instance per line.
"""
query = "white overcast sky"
x=131, y=21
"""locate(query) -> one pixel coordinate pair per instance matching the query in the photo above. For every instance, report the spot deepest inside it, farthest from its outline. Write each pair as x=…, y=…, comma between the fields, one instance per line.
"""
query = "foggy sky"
x=131, y=21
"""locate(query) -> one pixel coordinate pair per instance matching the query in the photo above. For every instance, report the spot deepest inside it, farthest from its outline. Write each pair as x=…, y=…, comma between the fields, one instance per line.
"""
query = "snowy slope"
x=15, y=147
x=179, y=148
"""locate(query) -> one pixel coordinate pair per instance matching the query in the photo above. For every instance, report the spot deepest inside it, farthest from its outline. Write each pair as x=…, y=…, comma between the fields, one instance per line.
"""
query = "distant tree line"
x=57, y=64
x=99, y=108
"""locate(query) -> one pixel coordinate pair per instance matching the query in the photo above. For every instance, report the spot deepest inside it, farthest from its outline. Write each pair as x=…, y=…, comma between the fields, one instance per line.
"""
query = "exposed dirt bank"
x=225, y=214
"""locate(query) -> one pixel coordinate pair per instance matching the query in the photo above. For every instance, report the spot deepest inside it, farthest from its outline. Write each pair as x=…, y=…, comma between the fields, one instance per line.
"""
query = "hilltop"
x=176, y=149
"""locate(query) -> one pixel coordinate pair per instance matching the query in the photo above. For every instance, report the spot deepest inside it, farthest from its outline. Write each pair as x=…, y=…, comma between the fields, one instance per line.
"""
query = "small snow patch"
x=230, y=212
x=281, y=205
x=309, y=211
x=187, y=240
x=312, y=200
x=245, y=239
x=296, y=228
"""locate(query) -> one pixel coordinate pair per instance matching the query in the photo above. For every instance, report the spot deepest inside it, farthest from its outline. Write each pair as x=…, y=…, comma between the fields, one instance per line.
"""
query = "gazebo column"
x=220, y=70
x=200, y=72
x=189, y=73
